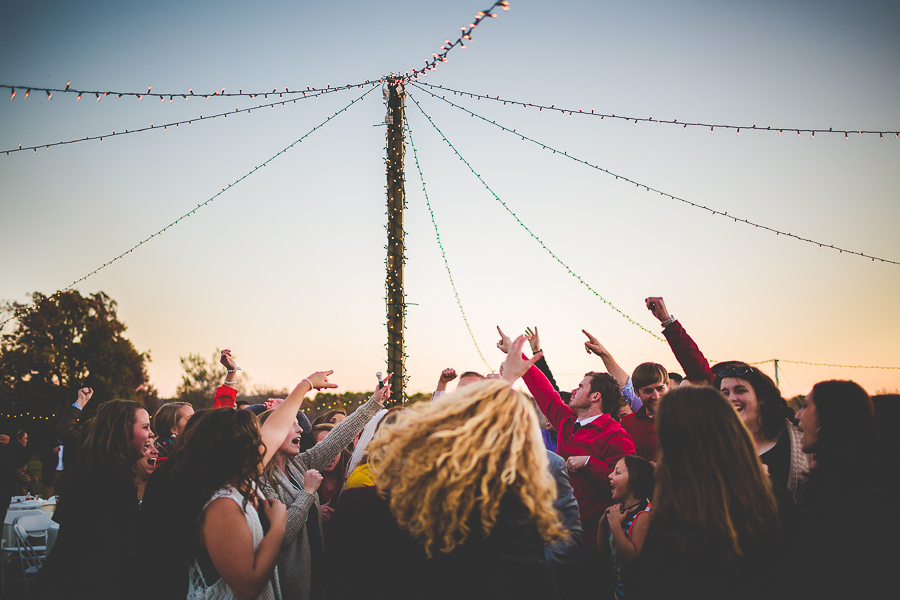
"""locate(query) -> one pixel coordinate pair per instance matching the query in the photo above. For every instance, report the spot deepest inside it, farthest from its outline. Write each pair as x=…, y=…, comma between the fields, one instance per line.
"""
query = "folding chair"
x=31, y=558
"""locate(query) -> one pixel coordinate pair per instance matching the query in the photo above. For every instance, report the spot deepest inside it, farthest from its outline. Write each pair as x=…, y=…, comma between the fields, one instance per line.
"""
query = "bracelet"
x=668, y=321
x=585, y=462
x=311, y=386
x=230, y=382
x=231, y=370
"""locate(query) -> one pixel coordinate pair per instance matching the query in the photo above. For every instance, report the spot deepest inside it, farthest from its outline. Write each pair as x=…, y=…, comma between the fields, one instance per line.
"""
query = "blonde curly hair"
x=445, y=461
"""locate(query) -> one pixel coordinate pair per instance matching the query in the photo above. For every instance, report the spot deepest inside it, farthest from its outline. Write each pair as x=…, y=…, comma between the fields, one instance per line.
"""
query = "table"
x=26, y=504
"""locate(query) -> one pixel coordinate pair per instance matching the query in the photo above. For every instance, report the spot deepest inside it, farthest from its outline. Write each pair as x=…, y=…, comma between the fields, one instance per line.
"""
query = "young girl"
x=626, y=523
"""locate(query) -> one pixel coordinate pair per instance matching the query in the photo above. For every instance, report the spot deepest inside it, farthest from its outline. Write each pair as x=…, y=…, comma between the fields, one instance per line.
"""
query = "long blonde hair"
x=446, y=461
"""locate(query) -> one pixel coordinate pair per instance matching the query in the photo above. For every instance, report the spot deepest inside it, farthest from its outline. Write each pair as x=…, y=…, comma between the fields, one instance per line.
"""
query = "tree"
x=66, y=342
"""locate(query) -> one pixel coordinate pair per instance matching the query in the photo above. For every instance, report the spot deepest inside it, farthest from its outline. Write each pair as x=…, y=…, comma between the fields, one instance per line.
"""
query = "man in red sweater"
x=591, y=443
x=651, y=382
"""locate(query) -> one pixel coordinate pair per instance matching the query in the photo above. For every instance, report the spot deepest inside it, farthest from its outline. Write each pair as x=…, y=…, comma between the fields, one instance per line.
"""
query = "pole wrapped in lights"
x=176, y=124
x=441, y=246
x=441, y=57
x=525, y=227
x=184, y=95
x=652, y=189
x=29, y=308
x=651, y=119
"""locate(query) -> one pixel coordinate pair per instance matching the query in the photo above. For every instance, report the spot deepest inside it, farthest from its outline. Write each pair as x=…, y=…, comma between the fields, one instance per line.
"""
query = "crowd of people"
x=646, y=484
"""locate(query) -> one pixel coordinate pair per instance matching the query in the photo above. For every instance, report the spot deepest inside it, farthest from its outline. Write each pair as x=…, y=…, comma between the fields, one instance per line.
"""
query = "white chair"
x=48, y=508
x=35, y=526
x=31, y=558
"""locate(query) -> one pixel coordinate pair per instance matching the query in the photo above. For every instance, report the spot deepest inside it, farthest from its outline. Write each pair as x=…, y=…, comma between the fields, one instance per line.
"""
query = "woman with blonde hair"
x=715, y=530
x=467, y=478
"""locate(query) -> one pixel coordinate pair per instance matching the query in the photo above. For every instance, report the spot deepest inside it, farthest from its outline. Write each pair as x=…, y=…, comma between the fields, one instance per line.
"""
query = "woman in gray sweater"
x=293, y=478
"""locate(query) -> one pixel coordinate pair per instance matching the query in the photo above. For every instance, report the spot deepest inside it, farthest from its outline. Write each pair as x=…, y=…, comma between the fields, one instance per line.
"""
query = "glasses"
x=734, y=372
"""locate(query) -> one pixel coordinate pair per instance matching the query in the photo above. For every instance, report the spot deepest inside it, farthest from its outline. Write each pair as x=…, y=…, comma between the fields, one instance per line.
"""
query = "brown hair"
x=648, y=373
x=341, y=469
x=167, y=418
x=773, y=408
x=446, y=462
x=326, y=416
x=712, y=495
x=106, y=438
x=608, y=388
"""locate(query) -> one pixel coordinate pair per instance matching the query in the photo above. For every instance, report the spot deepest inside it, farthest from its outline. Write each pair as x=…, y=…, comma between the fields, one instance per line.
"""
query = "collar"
x=642, y=414
x=584, y=422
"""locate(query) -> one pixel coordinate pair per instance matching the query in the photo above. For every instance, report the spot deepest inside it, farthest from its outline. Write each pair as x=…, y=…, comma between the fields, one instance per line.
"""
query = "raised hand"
x=273, y=403
x=4, y=439
x=447, y=375
x=319, y=380
x=658, y=307
x=84, y=396
x=515, y=364
x=593, y=345
x=384, y=392
x=312, y=479
x=533, y=339
x=504, y=342
x=227, y=361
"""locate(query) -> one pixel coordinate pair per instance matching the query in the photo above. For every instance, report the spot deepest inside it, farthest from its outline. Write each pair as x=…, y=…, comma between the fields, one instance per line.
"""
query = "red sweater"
x=642, y=429
x=696, y=367
x=226, y=397
x=603, y=440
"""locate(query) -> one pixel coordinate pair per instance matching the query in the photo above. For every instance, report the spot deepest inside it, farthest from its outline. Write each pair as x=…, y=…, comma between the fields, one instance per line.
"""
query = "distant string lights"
x=525, y=227
x=98, y=94
x=441, y=245
x=651, y=119
x=32, y=307
x=800, y=362
x=175, y=124
x=441, y=57
x=651, y=189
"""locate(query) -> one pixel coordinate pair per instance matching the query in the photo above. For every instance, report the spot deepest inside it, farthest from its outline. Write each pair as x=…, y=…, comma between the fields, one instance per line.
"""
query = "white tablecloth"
x=26, y=504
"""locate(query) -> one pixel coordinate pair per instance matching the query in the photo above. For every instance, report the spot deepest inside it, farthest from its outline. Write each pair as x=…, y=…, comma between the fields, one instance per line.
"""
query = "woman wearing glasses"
x=760, y=406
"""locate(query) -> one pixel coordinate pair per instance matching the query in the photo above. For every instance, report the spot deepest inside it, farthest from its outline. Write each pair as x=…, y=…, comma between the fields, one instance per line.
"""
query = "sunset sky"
x=287, y=267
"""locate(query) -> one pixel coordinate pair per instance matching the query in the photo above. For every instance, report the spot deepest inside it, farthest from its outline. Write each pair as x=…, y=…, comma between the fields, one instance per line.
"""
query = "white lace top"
x=197, y=586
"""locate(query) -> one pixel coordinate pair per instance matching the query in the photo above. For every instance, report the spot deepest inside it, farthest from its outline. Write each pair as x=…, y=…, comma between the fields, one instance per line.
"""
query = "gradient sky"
x=287, y=268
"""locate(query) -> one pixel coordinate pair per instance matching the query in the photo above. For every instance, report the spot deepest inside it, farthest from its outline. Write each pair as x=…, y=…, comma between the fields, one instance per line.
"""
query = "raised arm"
x=276, y=427
x=343, y=433
x=593, y=345
x=534, y=340
x=517, y=365
x=695, y=366
x=67, y=429
x=226, y=394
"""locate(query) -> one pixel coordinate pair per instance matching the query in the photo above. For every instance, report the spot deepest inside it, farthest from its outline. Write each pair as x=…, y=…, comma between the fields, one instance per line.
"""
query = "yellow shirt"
x=359, y=477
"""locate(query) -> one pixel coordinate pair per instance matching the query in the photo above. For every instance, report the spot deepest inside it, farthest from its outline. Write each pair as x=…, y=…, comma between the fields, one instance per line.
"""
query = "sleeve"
x=297, y=511
x=696, y=367
x=67, y=431
x=561, y=416
x=226, y=397
x=628, y=393
x=545, y=369
x=617, y=447
x=567, y=507
x=340, y=437
x=437, y=394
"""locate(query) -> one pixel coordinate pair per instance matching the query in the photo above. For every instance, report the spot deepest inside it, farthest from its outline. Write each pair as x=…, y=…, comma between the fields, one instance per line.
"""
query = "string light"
x=32, y=307
x=173, y=124
x=683, y=124
x=651, y=189
x=436, y=58
x=800, y=362
x=525, y=227
x=185, y=95
x=441, y=245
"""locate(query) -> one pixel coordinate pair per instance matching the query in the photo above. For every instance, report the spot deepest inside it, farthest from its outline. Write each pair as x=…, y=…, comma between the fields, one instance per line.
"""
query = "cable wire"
x=31, y=306
x=167, y=125
x=441, y=245
x=651, y=189
x=684, y=124
x=525, y=227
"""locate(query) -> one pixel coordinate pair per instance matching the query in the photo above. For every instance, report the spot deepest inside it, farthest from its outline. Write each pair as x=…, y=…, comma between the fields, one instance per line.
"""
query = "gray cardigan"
x=294, y=566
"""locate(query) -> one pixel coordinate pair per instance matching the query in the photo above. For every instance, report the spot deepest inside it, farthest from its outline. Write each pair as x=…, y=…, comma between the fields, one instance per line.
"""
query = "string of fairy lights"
x=441, y=245
x=175, y=124
x=800, y=362
x=525, y=227
x=441, y=57
x=652, y=189
x=31, y=307
x=174, y=95
x=684, y=125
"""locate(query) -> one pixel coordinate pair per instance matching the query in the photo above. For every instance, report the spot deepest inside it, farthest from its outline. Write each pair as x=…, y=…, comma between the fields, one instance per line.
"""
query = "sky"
x=286, y=268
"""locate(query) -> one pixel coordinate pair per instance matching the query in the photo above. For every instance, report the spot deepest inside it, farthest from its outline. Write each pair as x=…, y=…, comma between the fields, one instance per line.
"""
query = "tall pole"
x=396, y=202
